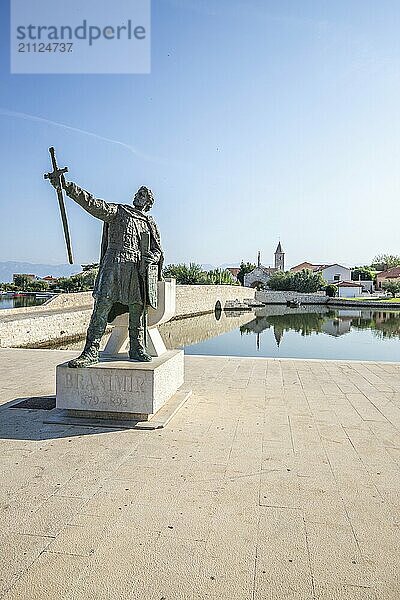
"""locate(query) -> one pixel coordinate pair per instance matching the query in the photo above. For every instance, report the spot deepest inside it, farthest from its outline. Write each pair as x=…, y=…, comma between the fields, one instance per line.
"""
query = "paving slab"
x=276, y=479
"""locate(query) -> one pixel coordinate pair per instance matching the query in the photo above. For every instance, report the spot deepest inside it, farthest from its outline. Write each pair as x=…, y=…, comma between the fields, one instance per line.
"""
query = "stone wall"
x=66, y=317
x=38, y=328
x=197, y=299
x=272, y=297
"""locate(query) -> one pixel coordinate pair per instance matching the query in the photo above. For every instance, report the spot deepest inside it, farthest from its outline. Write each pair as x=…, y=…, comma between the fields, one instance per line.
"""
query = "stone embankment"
x=273, y=297
x=66, y=317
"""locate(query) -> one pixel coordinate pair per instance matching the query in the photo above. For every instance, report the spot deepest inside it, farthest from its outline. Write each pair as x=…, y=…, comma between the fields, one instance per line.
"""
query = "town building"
x=50, y=279
x=259, y=277
x=333, y=273
x=349, y=289
x=392, y=274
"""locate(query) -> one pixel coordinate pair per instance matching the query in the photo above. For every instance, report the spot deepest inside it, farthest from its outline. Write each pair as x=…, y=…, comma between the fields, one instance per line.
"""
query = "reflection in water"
x=310, y=332
x=303, y=323
x=192, y=330
x=277, y=331
x=383, y=324
x=20, y=301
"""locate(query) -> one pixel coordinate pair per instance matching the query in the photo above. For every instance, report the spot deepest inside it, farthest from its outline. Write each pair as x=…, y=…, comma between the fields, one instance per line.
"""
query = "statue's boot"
x=89, y=356
x=137, y=349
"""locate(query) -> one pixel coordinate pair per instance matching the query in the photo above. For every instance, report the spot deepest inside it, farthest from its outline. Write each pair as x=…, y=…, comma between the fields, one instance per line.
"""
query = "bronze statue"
x=130, y=265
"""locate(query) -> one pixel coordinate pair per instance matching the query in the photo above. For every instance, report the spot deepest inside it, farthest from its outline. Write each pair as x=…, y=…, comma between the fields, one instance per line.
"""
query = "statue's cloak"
x=155, y=242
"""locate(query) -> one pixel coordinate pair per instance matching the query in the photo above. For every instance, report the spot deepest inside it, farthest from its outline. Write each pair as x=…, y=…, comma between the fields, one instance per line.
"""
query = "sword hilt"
x=56, y=171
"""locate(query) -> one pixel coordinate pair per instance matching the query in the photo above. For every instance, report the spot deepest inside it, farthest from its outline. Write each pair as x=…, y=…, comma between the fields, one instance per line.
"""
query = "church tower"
x=279, y=258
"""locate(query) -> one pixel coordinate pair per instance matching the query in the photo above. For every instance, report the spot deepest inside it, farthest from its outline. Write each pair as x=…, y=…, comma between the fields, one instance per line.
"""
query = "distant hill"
x=7, y=269
x=226, y=265
x=207, y=267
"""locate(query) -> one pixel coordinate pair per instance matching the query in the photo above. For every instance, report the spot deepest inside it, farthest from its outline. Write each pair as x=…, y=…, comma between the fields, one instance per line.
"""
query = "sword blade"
x=65, y=225
x=60, y=197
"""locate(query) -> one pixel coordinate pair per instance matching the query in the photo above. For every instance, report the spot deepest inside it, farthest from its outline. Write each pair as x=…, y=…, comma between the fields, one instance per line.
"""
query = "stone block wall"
x=197, y=299
x=273, y=297
x=66, y=317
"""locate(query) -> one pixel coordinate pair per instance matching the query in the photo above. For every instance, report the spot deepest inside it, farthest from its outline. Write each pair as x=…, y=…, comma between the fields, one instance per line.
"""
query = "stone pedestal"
x=117, y=388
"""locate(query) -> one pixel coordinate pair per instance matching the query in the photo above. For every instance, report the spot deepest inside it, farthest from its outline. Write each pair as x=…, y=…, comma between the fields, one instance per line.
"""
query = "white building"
x=334, y=273
x=349, y=289
x=331, y=273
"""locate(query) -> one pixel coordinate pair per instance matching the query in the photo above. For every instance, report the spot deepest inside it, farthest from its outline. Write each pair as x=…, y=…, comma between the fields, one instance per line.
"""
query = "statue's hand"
x=56, y=181
x=148, y=257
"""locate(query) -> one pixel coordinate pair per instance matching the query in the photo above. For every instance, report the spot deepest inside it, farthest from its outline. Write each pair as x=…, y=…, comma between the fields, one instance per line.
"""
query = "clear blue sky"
x=260, y=119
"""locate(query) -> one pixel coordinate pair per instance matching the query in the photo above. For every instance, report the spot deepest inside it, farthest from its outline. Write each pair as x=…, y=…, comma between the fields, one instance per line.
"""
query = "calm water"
x=276, y=331
x=20, y=302
x=340, y=334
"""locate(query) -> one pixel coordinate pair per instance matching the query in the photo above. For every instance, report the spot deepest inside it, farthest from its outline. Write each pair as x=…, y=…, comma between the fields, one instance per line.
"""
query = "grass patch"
x=364, y=299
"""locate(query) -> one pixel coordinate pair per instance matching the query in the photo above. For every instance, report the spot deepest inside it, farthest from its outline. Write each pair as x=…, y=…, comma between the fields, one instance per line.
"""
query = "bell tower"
x=279, y=258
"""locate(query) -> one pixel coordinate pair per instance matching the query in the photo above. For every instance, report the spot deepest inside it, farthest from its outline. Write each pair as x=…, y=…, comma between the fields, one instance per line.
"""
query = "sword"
x=59, y=173
x=144, y=247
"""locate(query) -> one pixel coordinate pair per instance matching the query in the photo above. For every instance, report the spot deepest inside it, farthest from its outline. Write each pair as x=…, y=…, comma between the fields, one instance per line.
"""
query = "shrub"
x=331, y=290
x=244, y=269
x=392, y=287
x=304, y=281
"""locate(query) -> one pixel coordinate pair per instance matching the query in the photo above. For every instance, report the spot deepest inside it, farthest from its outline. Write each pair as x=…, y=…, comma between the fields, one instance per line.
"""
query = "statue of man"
x=120, y=284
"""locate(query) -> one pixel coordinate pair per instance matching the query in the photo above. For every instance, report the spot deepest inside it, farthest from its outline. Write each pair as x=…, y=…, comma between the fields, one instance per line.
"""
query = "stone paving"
x=279, y=479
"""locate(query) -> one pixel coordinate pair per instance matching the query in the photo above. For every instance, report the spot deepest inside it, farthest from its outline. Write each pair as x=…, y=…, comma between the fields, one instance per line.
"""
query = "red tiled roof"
x=305, y=265
x=312, y=267
x=233, y=270
x=348, y=284
x=392, y=273
x=322, y=267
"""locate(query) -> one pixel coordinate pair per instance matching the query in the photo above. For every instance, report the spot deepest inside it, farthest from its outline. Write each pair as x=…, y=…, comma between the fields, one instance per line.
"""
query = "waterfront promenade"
x=278, y=479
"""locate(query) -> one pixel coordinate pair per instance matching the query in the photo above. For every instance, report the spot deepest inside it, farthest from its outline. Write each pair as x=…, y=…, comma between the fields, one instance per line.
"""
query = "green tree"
x=85, y=281
x=193, y=274
x=331, y=290
x=362, y=274
x=8, y=287
x=281, y=280
x=392, y=287
x=186, y=275
x=90, y=267
x=244, y=269
x=220, y=276
x=382, y=262
x=37, y=286
x=304, y=281
x=67, y=284
x=22, y=281
x=81, y=282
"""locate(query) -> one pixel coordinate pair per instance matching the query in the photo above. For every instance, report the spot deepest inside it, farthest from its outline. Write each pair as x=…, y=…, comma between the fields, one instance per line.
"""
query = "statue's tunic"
x=119, y=277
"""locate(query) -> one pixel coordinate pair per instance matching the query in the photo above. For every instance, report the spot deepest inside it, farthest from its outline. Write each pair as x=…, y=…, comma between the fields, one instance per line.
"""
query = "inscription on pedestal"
x=104, y=382
x=89, y=388
x=121, y=387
